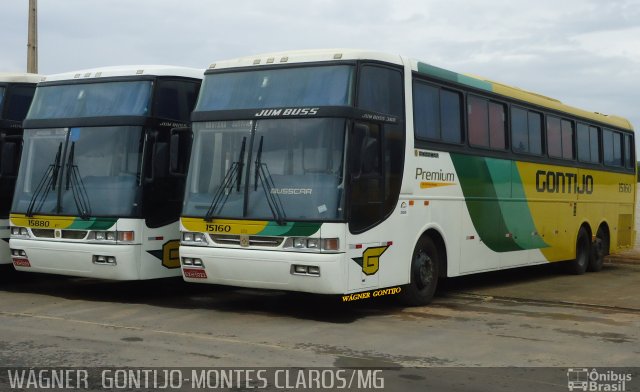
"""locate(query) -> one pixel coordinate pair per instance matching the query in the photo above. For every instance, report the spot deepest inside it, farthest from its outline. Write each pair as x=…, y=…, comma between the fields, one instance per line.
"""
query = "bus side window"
x=366, y=176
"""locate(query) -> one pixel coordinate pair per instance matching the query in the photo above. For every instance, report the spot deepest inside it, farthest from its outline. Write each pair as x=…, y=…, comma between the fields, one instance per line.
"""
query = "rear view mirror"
x=179, y=151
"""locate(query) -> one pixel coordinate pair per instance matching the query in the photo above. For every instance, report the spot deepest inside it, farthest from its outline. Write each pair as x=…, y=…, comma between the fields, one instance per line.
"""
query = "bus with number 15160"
x=340, y=171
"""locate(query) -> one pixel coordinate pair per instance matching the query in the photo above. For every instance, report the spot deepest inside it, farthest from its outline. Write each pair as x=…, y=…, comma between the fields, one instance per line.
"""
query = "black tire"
x=599, y=249
x=583, y=253
x=424, y=274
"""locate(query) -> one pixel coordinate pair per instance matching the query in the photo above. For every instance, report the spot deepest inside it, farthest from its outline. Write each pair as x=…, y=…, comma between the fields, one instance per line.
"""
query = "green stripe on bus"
x=301, y=229
x=482, y=202
x=441, y=73
x=93, y=223
x=497, y=204
x=519, y=217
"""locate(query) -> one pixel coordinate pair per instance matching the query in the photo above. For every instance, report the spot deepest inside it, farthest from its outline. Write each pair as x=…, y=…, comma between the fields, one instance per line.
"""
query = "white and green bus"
x=96, y=195
x=16, y=93
x=340, y=172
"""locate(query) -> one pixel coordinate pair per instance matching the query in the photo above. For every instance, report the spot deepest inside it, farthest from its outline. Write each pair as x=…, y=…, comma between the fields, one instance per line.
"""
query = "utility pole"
x=32, y=43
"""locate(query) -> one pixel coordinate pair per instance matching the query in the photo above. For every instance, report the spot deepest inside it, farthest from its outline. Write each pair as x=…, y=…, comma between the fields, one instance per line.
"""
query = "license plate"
x=194, y=273
x=21, y=263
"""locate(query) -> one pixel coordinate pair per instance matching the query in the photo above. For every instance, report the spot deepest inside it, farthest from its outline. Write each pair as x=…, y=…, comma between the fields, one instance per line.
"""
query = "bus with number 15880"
x=95, y=194
x=341, y=171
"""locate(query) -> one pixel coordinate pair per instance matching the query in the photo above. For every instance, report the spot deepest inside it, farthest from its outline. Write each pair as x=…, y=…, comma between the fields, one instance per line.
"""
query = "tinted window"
x=535, y=133
x=497, y=126
x=567, y=139
x=594, y=143
x=486, y=123
x=560, y=138
x=271, y=88
x=588, y=149
x=612, y=147
x=478, y=121
x=519, y=130
x=92, y=100
x=628, y=152
x=175, y=99
x=426, y=109
x=380, y=90
x=18, y=101
x=437, y=113
x=451, y=114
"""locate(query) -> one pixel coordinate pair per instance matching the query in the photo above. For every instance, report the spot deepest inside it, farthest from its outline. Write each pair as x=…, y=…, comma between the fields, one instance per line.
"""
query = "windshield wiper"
x=47, y=183
x=264, y=176
x=74, y=181
x=234, y=173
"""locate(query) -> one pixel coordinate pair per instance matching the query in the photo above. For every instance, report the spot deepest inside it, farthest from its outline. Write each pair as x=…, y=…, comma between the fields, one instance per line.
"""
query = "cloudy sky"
x=583, y=52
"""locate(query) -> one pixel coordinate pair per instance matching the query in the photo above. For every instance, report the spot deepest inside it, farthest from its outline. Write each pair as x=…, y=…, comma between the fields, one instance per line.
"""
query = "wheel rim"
x=423, y=274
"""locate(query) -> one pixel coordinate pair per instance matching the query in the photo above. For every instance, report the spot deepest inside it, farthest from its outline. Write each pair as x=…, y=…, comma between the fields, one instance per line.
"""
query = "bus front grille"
x=63, y=234
x=74, y=234
x=44, y=233
x=254, y=240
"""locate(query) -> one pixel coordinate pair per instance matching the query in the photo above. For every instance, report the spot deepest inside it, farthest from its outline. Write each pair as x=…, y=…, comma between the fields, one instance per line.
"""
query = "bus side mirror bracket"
x=179, y=151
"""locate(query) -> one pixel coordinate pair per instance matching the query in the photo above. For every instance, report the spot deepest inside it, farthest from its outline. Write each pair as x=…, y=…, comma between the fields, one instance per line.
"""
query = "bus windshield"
x=80, y=172
x=277, y=169
x=268, y=88
x=91, y=100
x=2, y=89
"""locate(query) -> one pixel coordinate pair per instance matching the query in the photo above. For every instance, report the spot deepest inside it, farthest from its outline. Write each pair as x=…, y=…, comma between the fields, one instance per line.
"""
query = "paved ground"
x=526, y=317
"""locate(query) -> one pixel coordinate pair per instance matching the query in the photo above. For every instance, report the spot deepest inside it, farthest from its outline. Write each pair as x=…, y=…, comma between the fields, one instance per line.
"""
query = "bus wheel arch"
x=428, y=264
x=599, y=248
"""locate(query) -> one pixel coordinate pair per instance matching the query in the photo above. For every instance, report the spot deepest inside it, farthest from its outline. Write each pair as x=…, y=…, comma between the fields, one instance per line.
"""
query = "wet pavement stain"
x=604, y=336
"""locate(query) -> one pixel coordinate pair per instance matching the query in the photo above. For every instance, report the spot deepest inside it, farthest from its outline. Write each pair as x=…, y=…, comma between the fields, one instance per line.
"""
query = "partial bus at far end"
x=96, y=195
x=16, y=93
x=339, y=171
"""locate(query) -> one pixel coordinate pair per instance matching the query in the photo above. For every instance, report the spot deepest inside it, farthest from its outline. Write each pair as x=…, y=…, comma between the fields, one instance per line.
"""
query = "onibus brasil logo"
x=583, y=379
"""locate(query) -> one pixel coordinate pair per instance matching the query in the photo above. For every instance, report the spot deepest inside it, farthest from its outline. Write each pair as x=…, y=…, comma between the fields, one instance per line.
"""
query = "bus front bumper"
x=77, y=259
x=326, y=273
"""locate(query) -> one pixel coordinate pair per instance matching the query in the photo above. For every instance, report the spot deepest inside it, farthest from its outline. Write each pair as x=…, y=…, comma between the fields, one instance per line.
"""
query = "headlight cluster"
x=120, y=236
x=312, y=244
x=192, y=262
x=18, y=253
x=192, y=238
x=19, y=231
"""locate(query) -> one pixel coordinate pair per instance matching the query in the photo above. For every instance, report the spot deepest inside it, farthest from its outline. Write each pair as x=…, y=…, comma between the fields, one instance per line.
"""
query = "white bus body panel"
x=153, y=254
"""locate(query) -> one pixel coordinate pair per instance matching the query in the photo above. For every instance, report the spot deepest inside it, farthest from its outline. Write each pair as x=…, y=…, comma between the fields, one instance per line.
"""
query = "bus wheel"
x=599, y=249
x=424, y=274
x=583, y=252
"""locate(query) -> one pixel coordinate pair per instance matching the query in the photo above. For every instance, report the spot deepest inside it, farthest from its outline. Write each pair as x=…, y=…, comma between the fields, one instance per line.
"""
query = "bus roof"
x=127, y=70
x=306, y=56
x=18, y=77
x=477, y=82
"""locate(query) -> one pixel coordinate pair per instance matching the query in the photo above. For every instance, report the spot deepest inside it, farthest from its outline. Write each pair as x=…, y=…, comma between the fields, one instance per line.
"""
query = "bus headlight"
x=111, y=236
x=312, y=244
x=191, y=238
x=19, y=231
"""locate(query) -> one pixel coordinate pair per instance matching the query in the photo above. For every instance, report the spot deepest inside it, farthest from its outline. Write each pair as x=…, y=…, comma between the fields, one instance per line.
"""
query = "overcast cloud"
x=583, y=52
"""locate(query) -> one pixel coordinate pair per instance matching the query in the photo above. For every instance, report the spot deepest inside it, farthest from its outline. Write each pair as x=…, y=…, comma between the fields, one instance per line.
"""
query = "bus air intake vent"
x=43, y=233
x=74, y=234
x=254, y=240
